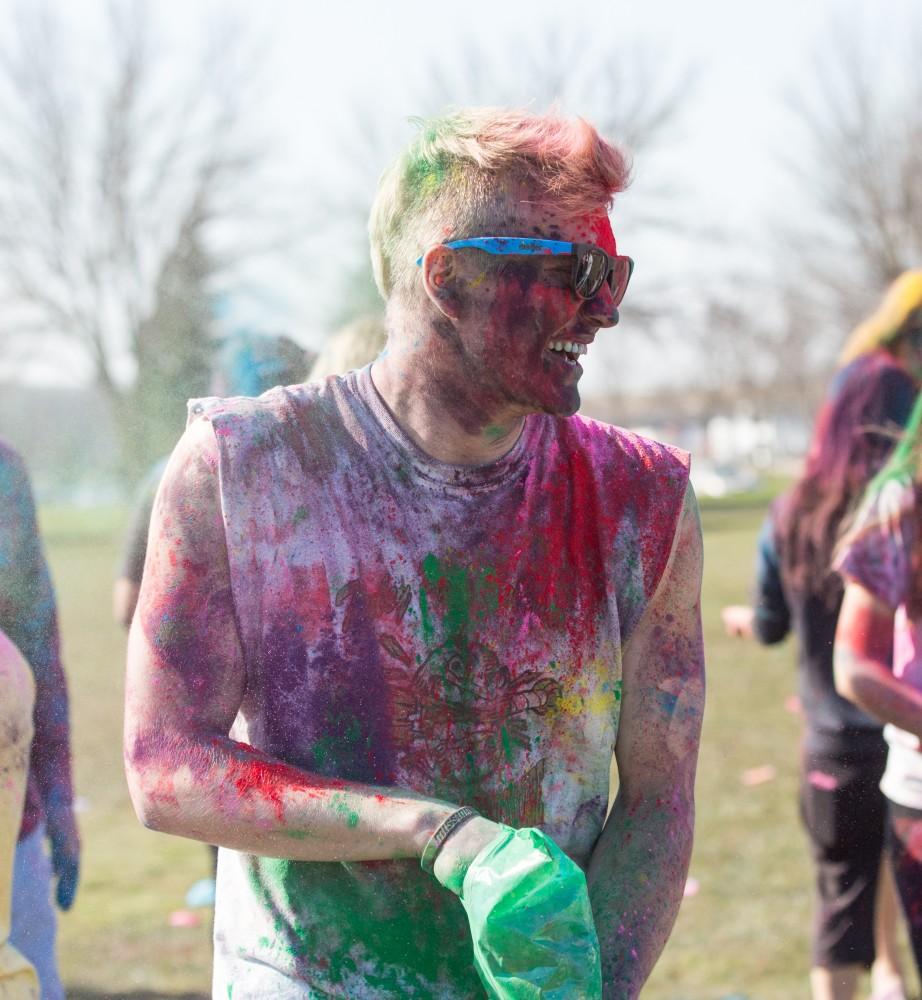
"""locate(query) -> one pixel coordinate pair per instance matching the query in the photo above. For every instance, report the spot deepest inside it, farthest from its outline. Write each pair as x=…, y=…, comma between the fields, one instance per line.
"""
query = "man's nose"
x=601, y=309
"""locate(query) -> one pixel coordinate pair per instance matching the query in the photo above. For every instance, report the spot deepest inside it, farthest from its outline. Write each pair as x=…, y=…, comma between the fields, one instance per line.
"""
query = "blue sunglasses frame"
x=528, y=247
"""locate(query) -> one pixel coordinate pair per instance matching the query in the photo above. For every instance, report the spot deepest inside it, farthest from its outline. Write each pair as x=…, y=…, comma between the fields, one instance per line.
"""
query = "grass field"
x=744, y=934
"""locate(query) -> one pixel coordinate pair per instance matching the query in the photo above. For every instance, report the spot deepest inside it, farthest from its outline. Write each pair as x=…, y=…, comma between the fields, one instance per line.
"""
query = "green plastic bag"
x=528, y=908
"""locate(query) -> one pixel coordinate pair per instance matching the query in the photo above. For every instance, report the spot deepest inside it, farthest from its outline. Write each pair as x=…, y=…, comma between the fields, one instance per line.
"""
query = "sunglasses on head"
x=592, y=266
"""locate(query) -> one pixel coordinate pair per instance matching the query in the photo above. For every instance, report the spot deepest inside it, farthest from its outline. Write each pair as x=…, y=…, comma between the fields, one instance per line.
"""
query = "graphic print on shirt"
x=460, y=713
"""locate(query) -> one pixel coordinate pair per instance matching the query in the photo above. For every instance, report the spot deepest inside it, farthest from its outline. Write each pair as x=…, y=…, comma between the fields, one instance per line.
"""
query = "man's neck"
x=443, y=422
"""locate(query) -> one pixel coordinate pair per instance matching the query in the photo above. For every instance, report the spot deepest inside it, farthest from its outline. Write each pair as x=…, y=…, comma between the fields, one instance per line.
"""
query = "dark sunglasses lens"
x=590, y=273
x=620, y=276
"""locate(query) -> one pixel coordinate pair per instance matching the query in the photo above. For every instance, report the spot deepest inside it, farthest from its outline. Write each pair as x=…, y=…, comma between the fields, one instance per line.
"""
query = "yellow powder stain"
x=576, y=703
x=601, y=703
x=570, y=704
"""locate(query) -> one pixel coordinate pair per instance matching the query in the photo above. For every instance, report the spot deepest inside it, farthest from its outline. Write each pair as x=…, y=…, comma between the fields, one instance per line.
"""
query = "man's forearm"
x=227, y=793
x=636, y=879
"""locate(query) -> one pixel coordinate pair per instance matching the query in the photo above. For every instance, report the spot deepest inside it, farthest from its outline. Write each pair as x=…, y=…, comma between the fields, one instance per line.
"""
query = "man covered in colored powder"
x=394, y=625
x=28, y=616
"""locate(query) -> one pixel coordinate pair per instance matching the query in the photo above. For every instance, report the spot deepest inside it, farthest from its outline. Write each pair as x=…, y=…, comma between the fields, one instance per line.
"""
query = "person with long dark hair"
x=843, y=751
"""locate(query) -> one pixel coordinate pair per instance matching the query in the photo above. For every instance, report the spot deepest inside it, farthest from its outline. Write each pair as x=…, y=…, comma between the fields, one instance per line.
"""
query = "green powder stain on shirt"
x=453, y=582
x=404, y=926
x=346, y=734
x=463, y=589
x=424, y=616
x=299, y=515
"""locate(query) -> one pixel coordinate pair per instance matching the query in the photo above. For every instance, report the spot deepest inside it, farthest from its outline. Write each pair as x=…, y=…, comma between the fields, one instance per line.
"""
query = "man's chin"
x=565, y=406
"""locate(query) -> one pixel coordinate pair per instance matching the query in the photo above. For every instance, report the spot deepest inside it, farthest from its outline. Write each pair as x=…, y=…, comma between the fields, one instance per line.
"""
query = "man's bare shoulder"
x=609, y=443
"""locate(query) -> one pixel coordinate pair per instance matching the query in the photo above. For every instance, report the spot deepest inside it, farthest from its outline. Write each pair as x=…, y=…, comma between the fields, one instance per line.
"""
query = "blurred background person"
x=893, y=332
x=843, y=752
x=28, y=616
x=17, y=697
x=878, y=649
x=247, y=364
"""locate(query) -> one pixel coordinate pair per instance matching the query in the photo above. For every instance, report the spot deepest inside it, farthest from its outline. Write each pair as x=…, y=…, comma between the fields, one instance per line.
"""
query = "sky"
x=322, y=63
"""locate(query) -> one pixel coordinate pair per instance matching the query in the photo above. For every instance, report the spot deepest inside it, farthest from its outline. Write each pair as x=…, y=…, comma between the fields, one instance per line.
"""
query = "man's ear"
x=440, y=279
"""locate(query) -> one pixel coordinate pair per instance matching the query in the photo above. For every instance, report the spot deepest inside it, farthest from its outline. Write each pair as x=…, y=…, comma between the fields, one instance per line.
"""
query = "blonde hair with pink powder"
x=465, y=173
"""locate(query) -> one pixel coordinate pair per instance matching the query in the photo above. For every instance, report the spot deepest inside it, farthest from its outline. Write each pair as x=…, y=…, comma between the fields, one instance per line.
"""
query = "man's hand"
x=457, y=853
x=65, y=857
x=528, y=907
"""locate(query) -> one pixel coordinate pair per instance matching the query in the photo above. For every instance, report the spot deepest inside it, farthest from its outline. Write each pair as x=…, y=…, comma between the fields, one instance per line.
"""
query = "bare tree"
x=855, y=158
x=758, y=355
x=114, y=177
x=859, y=171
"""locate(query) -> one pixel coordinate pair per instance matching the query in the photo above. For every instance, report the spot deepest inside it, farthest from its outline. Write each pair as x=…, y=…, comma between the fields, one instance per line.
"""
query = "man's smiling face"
x=525, y=328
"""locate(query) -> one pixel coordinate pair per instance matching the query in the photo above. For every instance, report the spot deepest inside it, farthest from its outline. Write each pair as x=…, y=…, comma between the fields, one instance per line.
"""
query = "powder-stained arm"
x=862, y=661
x=876, y=566
x=640, y=862
x=185, y=683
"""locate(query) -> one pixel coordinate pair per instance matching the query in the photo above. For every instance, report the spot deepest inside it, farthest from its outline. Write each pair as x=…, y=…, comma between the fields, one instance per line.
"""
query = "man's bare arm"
x=639, y=865
x=862, y=662
x=185, y=683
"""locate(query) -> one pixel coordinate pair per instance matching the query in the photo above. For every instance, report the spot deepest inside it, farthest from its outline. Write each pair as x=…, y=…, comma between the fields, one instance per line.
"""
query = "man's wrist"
x=445, y=829
x=453, y=861
x=428, y=821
